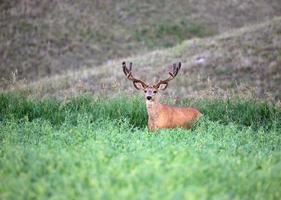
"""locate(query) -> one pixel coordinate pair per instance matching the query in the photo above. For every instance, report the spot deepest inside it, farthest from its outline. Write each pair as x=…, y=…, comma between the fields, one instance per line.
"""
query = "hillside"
x=72, y=126
x=44, y=38
x=242, y=61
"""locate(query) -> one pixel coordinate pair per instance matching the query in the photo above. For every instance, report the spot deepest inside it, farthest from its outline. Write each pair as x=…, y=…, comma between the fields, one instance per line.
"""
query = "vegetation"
x=71, y=126
x=44, y=38
x=90, y=148
x=244, y=61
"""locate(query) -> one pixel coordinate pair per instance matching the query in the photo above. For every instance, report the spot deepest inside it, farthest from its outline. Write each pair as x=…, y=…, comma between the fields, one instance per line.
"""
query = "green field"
x=88, y=148
x=73, y=127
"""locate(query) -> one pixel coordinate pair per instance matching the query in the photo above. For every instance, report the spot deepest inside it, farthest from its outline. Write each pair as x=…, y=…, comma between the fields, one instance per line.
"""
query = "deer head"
x=151, y=90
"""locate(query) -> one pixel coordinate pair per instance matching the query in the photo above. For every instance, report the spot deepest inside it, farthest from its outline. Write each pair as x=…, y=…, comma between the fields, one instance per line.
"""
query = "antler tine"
x=174, y=69
x=131, y=64
x=125, y=69
x=128, y=73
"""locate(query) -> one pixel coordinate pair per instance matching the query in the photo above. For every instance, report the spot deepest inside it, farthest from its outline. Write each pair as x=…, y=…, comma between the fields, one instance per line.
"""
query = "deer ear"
x=139, y=85
x=162, y=86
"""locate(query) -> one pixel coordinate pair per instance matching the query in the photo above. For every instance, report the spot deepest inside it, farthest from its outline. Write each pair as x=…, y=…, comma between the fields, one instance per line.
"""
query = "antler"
x=173, y=71
x=128, y=73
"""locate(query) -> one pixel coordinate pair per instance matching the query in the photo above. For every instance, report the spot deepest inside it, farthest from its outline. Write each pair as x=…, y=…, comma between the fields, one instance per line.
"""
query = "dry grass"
x=246, y=61
x=43, y=38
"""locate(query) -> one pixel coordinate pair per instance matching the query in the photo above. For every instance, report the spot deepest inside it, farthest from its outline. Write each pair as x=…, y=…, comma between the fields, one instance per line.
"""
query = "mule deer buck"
x=162, y=116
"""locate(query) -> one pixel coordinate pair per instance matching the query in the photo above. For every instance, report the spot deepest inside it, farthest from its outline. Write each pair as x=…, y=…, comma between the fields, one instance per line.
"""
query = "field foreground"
x=94, y=149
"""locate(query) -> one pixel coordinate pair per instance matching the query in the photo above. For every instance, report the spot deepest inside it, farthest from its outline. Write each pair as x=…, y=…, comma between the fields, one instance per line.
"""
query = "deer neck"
x=153, y=108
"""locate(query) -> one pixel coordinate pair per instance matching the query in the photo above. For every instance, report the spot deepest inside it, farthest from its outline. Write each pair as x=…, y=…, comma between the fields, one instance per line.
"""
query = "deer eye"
x=154, y=92
x=145, y=91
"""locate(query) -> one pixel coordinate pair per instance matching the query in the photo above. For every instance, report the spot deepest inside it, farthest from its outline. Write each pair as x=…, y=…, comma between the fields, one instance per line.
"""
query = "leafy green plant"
x=101, y=149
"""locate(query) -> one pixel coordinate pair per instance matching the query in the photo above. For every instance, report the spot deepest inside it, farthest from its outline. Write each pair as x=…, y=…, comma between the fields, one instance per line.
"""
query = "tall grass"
x=250, y=113
x=16, y=106
x=89, y=148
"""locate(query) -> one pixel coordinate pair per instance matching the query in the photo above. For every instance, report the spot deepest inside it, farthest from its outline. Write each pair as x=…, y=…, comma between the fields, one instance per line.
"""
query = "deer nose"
x=148, y=97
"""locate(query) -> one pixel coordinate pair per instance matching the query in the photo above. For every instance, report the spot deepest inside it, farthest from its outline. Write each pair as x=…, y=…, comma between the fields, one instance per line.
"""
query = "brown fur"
x=165, y=117
x=162, y=116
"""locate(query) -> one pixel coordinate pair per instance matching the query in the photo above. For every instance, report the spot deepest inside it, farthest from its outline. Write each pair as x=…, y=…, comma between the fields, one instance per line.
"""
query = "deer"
x=161, y=116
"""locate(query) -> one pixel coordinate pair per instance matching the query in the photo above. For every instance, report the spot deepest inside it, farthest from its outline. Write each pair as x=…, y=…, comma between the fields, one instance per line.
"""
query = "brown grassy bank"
x=234, y=62
x=45, y=38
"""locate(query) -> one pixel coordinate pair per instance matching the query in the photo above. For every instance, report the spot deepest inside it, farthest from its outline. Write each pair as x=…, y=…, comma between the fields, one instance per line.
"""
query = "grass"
x=100, y=148
x=241, y=61
x=74, y=35
x=58, y=36
x=95, y=149
x=168, y=35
